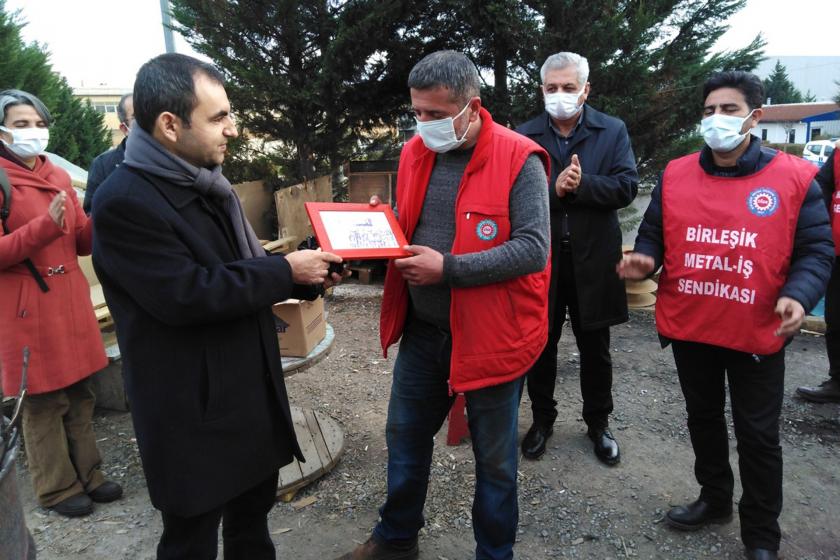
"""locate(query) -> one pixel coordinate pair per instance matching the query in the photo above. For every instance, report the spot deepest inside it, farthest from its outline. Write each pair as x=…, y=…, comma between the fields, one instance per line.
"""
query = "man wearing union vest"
x=742, y=235
x=829, y=390
x=470, y=306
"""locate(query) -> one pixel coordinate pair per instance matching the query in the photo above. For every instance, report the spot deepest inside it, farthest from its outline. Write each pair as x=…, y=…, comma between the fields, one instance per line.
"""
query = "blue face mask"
x=439, y=136
x=722, y=133
x=27, y=142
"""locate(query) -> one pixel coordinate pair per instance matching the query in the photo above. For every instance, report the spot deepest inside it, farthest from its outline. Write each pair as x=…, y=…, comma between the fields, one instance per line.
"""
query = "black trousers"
x=832, y=321
x=756, y=388
x=244, y=529
x=595, y=361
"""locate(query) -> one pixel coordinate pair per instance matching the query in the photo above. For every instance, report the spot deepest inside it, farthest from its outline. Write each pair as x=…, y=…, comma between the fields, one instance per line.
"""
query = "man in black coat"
x=190, y=290
x=829, y=390
x=106, y=162
x=593, y=174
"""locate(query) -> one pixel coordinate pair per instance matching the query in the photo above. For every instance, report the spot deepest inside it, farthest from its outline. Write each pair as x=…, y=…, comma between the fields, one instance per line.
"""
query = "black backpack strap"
x=5, y=210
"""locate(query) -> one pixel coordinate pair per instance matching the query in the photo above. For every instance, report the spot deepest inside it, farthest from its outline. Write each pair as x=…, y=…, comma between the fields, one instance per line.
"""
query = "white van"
x=818, y=151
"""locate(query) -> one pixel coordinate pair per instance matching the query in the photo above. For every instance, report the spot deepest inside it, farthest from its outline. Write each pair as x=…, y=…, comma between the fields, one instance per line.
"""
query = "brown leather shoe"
x=375, y=550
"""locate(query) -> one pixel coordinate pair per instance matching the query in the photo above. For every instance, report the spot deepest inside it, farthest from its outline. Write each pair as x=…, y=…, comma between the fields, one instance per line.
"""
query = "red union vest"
x=835, y=203
x=498, y=329
x=728, y=242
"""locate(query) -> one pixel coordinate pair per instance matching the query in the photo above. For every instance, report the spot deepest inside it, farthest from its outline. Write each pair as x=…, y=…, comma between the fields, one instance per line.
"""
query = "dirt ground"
x=571, y=506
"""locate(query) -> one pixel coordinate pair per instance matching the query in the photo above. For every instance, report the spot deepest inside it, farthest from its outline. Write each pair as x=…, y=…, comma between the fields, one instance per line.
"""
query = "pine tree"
x=648, y=61
x=78, y=132
x=325, y=79
x=314, y=76
x=779, y=89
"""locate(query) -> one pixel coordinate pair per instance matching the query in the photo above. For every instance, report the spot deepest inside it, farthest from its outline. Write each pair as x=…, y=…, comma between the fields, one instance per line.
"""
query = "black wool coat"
x=609, y=181
x=199, y=348
x=102, y=166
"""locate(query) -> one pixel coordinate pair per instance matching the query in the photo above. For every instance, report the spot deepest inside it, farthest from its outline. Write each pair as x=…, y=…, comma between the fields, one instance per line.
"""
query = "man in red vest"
x=829, y=390
x=743, y=238
x=470, y=305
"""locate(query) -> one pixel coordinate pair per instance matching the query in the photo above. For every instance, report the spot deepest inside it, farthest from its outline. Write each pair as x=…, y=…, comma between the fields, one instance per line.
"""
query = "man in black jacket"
x=742, y=234
x=190, y=290
x=593, y=174
x=106, y=162
x=829, y=390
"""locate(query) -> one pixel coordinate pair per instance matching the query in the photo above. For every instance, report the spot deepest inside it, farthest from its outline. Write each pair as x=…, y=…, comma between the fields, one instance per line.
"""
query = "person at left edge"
x=47, y=308
x=469, y=305
x=190, y=289
x=106, y=162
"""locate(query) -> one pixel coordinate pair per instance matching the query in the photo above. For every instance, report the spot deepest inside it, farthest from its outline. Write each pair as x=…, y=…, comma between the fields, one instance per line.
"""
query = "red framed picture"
x=357, y=231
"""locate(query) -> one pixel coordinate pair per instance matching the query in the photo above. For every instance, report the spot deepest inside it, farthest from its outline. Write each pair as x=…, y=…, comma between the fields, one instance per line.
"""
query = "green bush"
x=792, y=149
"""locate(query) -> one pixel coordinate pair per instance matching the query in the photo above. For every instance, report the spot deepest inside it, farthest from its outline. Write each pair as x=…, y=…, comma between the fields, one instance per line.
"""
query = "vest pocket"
x=484, y=226
x=487, y=320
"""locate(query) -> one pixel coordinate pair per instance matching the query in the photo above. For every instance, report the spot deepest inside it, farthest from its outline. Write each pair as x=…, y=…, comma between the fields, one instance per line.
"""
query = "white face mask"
x=722, y=133
x=27, y=142
x=439, y=136
x=562, y=105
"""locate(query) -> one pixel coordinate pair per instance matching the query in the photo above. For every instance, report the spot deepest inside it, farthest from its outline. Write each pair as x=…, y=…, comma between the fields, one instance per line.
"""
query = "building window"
x=792, y=136
x=106, y=107
x=764, y=134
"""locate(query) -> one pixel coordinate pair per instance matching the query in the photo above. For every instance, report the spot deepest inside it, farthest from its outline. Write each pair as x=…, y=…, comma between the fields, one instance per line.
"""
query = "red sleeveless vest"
x=835, y=203
x=728, y=242
x=499, y=329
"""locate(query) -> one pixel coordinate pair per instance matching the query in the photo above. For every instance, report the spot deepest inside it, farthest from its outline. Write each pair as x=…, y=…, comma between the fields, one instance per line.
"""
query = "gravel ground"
x=571, y=506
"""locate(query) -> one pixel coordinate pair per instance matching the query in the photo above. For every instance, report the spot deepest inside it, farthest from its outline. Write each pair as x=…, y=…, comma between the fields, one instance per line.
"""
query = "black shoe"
x=533, y=444
x=828, y=391
x=697, y=514
x=760, y=554
x=106, y=492
x=77, y=505
x=606, y=448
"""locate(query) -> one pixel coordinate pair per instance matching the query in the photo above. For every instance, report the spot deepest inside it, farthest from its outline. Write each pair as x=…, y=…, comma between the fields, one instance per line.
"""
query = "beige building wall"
x=105, y=101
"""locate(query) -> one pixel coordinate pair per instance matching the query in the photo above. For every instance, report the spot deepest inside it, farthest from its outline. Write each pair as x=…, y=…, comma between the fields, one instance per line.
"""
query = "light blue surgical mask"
x=562, y=105
x=439, y=135
x=27, y=142
x=722, y=133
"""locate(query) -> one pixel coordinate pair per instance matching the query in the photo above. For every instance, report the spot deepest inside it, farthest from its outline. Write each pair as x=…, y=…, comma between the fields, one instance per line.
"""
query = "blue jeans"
x=419, y=404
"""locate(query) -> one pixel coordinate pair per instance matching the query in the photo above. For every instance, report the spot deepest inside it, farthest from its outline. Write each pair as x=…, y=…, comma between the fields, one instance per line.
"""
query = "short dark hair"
x=747, y=83
x=167, y=83
x=121, y=107
x=449, y=69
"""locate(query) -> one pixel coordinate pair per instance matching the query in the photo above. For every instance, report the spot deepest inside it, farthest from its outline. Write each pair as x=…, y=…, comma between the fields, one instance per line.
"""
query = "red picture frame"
x=344, y=229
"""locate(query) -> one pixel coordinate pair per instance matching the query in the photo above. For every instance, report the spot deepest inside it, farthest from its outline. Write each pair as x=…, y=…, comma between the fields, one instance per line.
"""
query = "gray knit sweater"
x=524, y=253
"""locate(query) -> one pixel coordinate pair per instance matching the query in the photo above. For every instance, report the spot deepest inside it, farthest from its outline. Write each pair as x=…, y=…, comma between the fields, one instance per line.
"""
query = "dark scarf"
x=145, y=153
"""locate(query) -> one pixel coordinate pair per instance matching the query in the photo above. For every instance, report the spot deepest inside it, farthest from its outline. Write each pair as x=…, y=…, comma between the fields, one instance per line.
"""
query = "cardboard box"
x=300, y=326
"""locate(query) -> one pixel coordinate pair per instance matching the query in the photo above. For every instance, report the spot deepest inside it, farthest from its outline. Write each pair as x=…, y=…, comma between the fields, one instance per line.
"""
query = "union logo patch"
x=763, y=202
x=487, y=230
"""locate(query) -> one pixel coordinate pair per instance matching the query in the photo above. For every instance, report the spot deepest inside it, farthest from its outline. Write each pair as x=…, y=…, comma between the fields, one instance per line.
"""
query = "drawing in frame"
x=357, y=231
